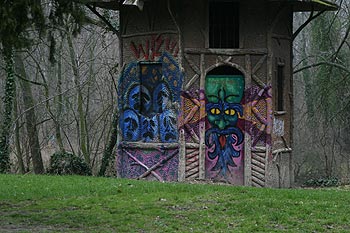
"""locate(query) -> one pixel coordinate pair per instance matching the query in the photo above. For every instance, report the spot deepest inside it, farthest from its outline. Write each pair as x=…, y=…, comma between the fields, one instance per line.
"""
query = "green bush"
x=322, y=182
x=68, y=164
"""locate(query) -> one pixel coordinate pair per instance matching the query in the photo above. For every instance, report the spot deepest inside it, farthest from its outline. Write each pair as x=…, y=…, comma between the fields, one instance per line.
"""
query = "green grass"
x=90, y=204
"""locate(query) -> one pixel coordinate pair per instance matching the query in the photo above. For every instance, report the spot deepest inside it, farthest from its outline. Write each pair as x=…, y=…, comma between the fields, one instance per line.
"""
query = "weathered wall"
x=255, y=122
x=150, y=87
x=213, y=138
x=280, y=46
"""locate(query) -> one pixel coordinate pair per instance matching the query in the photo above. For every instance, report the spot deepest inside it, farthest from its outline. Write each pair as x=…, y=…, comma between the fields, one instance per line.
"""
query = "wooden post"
x=247, y=137
x=202, y=120
x=182, y=156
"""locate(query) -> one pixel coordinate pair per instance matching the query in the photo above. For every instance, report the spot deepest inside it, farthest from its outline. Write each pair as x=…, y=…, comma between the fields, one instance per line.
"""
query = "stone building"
x=205, y=90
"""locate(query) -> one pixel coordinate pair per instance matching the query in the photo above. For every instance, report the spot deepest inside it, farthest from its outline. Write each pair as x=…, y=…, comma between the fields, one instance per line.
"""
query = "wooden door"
x=224, y=138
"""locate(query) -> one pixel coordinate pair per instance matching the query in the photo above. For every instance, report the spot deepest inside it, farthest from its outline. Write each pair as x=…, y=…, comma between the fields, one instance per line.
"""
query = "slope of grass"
x=89, y=204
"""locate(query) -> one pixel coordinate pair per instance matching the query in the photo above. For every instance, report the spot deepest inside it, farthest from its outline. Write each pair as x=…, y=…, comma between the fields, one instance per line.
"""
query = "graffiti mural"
x=149, y=109
x=151, y=48
x=157, y=165
x=148, y=106
x=258, y=124
x=224, y=138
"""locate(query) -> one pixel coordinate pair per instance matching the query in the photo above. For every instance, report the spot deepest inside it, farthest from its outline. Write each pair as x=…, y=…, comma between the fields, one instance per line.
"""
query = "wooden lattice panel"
x=192, y=164
x=258, y=169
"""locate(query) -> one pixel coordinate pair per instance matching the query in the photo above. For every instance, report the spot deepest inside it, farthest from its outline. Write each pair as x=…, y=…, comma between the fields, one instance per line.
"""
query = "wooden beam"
x=202, y=121
x=144, y=145
x=227, y=52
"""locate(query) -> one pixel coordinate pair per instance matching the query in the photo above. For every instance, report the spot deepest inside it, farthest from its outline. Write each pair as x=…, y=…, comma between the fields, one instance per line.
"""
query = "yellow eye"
x=230, y=112
x=215, y=111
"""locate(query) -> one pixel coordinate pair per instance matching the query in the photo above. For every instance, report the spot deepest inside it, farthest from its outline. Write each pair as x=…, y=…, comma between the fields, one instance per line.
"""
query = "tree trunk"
x=81, y=121
x=19, y=153
x=30, y=117
x=108, y=153
x=59, y=102
x=6, y=120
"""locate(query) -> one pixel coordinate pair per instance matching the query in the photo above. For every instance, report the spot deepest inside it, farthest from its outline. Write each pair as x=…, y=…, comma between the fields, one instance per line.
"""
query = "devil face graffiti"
x=224, y=94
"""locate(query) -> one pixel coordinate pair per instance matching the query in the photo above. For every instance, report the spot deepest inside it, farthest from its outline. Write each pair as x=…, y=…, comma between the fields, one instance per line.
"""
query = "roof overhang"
x=310, y=5
x=298, y=5
x=314, y=5
x=113, y=4
x=106, y=4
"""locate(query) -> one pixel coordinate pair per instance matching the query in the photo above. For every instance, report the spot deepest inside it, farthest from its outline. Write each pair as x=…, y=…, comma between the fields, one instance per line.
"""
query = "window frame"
x=280, y=81
x=236, y=44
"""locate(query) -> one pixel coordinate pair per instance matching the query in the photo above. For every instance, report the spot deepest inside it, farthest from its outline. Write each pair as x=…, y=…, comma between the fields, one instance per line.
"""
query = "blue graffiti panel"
x=151, y=92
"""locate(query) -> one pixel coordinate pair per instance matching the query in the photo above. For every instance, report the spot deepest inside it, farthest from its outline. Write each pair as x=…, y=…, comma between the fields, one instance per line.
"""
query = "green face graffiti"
x=224, y=94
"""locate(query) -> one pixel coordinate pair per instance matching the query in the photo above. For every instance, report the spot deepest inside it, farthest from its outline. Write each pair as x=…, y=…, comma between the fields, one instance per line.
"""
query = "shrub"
x=322, y=182
x=63, y=163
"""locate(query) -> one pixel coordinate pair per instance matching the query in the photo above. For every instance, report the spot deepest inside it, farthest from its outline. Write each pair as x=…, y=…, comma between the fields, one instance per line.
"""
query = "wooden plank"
x=259, y=149
x=258, y=115
x=202, y=121
x=258, y=175
x=191, y=82
x=105, y=4
x=192, y=160
x=247, y=136
x=256, y=185
x=259, y=64
x=259, y=165
x=144, y=145
x=192, y=155
x=259, y=158
x=150, y=33
x=192, y=166
x=191, y=132
x=258, y=169
x=188, y=96
x=190, y=150
x=260, y=83
x=190, y=145
x=191, y=64
x=257, y=181
x=182, y=156
x=191, y=114
x=144, y=166
x=227, y=52
x=193, y=175
x=158, y=164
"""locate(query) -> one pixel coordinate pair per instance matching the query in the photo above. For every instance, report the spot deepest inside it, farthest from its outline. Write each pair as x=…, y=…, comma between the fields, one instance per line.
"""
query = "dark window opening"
x=280, y=88
x=223, y=24
x=225, y=70
x=151, y=76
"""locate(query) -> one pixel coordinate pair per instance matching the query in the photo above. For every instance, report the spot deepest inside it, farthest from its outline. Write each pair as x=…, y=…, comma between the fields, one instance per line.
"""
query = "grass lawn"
x=89, y=204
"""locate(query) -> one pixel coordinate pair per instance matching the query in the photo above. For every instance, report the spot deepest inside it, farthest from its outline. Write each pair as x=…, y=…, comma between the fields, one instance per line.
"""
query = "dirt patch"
x=23, y=228
x=203, y=181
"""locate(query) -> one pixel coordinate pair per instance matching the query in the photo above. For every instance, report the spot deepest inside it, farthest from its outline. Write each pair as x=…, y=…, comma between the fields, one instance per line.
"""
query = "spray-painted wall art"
x=161, y=165
x=148, y=112
x=224, y=137
x=258, y=121
x=149, y=107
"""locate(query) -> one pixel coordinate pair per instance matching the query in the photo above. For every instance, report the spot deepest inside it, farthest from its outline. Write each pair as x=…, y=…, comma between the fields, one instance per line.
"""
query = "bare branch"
x=332, y=64
x=312, y=17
